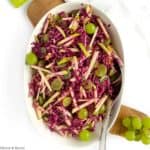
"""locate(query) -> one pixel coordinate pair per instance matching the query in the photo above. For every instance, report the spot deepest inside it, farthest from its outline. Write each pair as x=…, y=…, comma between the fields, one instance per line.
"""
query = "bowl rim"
x=36, y=30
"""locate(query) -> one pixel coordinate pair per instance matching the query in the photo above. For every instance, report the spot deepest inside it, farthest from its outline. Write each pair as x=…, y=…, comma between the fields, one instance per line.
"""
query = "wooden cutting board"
x=35, y=11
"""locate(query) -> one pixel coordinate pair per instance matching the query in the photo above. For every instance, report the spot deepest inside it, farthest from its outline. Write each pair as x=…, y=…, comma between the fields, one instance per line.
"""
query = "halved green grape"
x=83, y=113
x=57, y=84
x=63, y=60
x=126, y=122
x=145, y=140
x=18, y=3
x=136, y=123
x=130, y=135
x=41, y=100
x=102, y=109
x=90, y=28
x=88, y=85
x=31, y=59
x=101, y=70
x=67, y=101
x=85, y=135
x=146, y=122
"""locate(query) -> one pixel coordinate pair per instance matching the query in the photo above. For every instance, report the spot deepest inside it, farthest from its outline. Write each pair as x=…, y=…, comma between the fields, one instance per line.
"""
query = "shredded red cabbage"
x=56, y=116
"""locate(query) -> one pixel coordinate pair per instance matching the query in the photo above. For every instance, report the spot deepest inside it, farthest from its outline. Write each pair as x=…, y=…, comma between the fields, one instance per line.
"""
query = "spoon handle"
x=102, y=142
x=104, y=129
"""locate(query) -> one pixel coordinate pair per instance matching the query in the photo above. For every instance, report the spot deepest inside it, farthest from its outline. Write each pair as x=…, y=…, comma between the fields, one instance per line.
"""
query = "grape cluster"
x=137, y=129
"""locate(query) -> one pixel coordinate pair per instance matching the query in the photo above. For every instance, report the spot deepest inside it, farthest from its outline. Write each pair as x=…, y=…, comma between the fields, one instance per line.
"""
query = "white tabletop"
x=132, y=19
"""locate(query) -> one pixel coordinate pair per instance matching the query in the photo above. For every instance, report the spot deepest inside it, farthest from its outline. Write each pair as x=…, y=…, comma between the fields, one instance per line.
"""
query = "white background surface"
x=132, y=19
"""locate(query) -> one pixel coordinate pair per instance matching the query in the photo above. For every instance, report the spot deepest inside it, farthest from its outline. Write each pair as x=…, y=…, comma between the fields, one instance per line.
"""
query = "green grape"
x=90, y=28
x=18, y=3
x=146, y=122
x=41, y=100
x=130, y=135
x=57, y=84
x=83, y=113
x=145, y=140
x=66, y=101
x=102, y=109
x=101, y=70
x=146, y=132
x=126, y=122
x=85, y=135
x=136, y=123
x=31, y=59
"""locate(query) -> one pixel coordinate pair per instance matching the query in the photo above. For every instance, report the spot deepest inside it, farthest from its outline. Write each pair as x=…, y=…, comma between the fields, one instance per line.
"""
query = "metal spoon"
x=104, y=126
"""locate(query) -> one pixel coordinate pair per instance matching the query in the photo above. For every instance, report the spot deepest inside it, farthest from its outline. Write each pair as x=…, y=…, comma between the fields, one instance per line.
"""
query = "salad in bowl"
x=74, y=70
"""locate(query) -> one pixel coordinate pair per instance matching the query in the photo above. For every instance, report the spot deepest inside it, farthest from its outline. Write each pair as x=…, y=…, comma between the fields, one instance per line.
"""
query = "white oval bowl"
x=53, y=138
